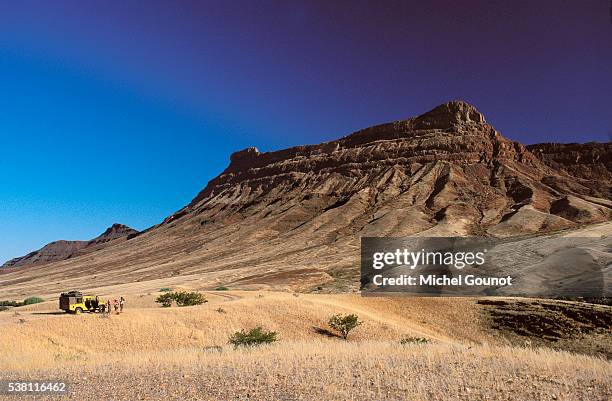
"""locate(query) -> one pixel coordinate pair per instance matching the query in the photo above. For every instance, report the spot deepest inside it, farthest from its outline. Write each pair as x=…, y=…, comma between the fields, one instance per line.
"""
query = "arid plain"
x=150, y=352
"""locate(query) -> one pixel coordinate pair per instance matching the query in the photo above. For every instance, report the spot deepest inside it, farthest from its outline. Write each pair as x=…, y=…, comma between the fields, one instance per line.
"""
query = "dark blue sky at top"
x=122, y=111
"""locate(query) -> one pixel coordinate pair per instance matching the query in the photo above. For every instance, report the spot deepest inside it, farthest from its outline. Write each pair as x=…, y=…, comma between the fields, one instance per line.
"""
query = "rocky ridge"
x=447, y=166
x=61, y=250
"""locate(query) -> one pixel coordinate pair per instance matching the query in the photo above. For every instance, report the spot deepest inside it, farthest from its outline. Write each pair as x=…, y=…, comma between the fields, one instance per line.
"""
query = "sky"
x=121, y=112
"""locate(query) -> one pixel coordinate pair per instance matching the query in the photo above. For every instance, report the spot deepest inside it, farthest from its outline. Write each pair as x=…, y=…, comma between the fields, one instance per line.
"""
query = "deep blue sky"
x=122, y=111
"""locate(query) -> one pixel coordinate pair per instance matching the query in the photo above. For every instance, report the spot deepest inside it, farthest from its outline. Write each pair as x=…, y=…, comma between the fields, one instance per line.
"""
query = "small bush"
x=32, y=300
x=414, y=340
x=165, y=289
x=165, y=300
x=344, y=324
x=221, y=288
x=11, y=303
x=3, y=308
x=182, y=298
x=253, y=337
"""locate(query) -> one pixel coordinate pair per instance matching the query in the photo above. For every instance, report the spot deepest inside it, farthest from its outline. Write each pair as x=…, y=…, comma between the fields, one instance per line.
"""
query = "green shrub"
x=182, y=298
x=185, y=298
x=165, y=289
x=253, y=337
x=344, y=324
x=221, y=288
x=414, y=340
x=11, y=303
x=165, y=299
x=32, y=300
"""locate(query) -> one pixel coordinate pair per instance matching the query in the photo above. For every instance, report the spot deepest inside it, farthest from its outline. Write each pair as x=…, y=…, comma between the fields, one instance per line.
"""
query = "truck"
x=76, y=302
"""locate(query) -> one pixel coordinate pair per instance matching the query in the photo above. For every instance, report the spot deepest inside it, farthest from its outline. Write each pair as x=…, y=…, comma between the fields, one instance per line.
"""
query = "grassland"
x=182, y=353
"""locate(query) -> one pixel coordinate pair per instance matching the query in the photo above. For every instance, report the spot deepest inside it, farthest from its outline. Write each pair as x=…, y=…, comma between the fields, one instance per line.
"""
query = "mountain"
x=590, y=163
x=293, y=218
x=444, y=172
x=61, y=250
x=112, y=233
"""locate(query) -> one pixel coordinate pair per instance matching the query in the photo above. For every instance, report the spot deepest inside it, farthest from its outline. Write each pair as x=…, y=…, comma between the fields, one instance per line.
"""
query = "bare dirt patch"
x=577, y=327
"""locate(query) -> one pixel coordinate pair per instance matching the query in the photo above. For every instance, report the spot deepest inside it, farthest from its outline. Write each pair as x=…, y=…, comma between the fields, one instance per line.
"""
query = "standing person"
x=116, y=306
x=108, y=306
x=121, y=304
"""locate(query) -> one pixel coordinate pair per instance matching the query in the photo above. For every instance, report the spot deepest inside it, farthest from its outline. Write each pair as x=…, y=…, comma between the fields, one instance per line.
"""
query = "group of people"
x=118, y=305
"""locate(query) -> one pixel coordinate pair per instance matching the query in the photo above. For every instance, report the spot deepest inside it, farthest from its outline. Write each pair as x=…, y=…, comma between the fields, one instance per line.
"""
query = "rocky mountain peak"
x=446, y=168
x=117, y=228
x=448, y=114
x=113, y=232
x=245, y=155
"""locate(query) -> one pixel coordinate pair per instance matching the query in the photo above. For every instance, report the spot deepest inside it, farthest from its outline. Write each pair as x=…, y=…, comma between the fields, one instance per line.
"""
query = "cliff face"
x=448, y=167
x=590, y=163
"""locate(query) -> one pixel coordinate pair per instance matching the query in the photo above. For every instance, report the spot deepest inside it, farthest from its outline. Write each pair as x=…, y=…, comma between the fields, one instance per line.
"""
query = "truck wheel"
x=78, y=311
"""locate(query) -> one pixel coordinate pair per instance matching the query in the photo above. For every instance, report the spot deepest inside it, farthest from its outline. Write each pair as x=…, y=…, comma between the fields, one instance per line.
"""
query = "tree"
x=182, y=298
x=344, y=324
x=253, y=337
x=165, y=299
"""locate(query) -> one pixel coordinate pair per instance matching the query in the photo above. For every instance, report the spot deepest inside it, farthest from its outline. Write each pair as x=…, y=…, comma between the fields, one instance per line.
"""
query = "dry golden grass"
x=182, y=353
x=48, y=337
x=338, y=371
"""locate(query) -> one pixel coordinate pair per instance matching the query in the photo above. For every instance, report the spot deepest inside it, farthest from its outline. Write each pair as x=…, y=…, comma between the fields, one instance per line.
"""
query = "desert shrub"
x=253, y=337
x=165, y=289
x=220, y=310
x=165, y=299
x=182, y=298
x=221, y=288
x=11, y=303
x=33, y=300
x=414, y=340
x=344, y=324
x=3, y=308
x=185, y=298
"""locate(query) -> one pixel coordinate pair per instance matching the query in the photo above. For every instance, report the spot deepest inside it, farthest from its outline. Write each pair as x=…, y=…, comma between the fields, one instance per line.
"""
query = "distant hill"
x=61, y=250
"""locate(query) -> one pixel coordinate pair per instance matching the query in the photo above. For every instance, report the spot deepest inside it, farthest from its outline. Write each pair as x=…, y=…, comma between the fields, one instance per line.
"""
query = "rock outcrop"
x=590, y=163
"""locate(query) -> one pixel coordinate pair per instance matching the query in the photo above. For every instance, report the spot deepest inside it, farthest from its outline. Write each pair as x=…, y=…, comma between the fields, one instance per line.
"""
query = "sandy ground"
x=150, y=352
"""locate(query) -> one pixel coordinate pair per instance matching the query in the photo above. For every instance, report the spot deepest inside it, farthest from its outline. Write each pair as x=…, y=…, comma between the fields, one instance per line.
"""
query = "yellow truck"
x=76, y=302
